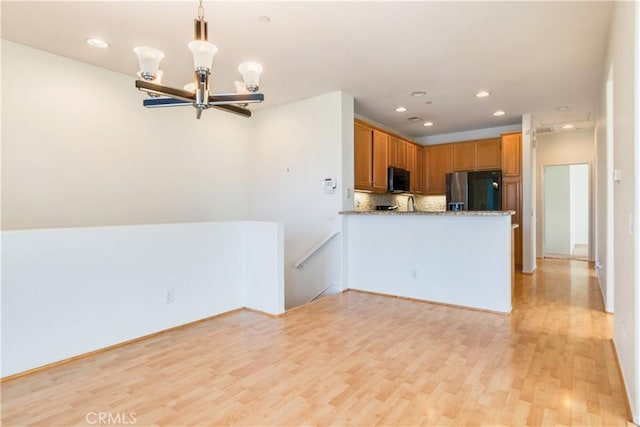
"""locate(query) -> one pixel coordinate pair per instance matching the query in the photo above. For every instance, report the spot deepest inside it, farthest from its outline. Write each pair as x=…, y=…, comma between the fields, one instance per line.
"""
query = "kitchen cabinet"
x=393, y=151
x=397, y=152
x=511, y=201
x=488, y=154
x=464, y=156
x=363, y=157
x=371, y=158
x=419, y=189
x=437, y=164
x=511, y=153
x=483, y=154
x=401, y=154
x=414, y=165
x=380, y=161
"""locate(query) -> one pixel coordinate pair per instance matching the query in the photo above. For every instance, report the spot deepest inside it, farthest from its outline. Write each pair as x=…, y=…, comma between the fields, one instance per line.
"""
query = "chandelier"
x=197, y=94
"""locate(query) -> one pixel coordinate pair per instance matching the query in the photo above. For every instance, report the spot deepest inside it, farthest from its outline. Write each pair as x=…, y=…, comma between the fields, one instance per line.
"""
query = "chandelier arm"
x=234, y=109
x=149, y=87
x=218, y=99
x=164, y=102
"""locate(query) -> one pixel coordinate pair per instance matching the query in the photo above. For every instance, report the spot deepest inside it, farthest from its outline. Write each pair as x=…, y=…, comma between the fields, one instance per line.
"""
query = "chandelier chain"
x=200, y=10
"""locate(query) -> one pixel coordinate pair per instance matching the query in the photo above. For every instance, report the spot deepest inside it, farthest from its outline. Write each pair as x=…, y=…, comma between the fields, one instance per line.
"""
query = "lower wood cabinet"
x=511, y=202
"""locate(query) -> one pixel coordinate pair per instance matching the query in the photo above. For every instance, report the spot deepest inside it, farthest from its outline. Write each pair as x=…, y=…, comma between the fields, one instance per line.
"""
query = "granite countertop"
x=431, y=213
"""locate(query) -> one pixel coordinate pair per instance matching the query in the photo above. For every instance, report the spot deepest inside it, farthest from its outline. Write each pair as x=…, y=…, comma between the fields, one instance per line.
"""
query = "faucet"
x=411, y=201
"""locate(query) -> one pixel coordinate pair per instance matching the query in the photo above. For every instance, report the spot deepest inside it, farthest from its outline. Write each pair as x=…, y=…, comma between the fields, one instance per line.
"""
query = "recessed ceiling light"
x=263, y=19
x=418, y=93
x=499, y=113
x=401, y=109
x=95, y=42
x=562, y=108
x=482, y=94
x=428, y=123
x=414, y=119
x=567, y=126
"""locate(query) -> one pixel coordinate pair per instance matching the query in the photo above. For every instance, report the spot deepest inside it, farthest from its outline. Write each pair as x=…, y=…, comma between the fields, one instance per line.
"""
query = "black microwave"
x=398, y=180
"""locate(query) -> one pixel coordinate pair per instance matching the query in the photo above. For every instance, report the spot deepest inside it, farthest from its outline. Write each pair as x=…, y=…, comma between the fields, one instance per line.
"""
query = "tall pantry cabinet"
x=512, y=186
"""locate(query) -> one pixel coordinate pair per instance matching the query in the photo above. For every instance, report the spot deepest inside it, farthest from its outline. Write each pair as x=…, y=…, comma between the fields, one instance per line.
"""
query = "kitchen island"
x=458, y=258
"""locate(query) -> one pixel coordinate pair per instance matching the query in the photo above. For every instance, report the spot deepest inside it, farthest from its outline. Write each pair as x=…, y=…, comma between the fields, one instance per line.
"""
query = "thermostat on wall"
x=329, y=185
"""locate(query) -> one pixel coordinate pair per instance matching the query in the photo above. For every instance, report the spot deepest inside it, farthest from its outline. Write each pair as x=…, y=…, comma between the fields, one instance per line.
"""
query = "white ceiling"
x=532, y=56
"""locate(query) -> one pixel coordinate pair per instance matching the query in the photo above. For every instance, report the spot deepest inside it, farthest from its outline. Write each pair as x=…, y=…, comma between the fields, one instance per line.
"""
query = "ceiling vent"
x=544, y=129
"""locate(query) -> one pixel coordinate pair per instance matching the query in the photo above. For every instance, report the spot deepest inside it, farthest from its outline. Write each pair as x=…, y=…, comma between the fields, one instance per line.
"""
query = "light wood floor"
x=356, y=359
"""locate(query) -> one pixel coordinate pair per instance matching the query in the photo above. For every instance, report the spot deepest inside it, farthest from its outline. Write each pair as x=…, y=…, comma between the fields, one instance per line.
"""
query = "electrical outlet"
x=169, y=297
x=414, y=274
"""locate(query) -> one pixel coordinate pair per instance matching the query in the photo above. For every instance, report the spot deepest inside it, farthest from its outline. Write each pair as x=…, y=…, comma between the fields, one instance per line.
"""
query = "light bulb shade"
x=251, y=74
x=148, y=61
x=203, y=53
x=240, y=87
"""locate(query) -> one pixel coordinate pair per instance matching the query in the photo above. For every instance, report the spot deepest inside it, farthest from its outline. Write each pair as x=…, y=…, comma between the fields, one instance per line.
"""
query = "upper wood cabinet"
x=488, y=153
x=363, y=157
x=437, y=164
x=464, y=156
x=511, y=153
x=380, y=161
x=481, y=154
x=401, y=154
x=414, y=165
x=393, y=151
x=371, y=157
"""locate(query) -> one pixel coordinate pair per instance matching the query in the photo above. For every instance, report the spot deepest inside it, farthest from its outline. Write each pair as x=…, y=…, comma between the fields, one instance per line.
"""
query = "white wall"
x=622, y=57
x=69, y=291
x=580, y=204
x=419, y=248
x=263, y=266
x=604, y=236
x=494, y=132
x=528, y=225
x=295, y=147
x=564, y=148
x=78, y=149
x=557, y=210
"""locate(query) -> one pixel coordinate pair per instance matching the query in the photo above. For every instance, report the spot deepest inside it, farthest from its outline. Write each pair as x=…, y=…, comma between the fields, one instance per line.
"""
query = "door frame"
x=543, y=211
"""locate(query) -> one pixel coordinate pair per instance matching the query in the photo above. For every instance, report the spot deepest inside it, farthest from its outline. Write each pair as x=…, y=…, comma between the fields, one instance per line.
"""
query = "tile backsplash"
x=368, y=201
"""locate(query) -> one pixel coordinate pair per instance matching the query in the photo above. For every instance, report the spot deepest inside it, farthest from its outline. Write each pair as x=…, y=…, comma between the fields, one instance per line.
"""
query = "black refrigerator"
x=474, y=191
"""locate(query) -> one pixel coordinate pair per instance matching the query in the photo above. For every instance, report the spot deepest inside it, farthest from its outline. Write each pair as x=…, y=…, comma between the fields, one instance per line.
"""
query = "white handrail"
x=315, y=248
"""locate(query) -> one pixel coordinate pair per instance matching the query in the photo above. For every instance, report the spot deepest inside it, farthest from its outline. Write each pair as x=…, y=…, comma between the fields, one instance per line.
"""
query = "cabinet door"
x=401, y=154
x=393, y=151
x=488, y=154
x=419, y=180
x=411, y=166
x=464, y=156
x=380, y=161
x=511, y=157
x=437, y=163
x=511, y=202
x=363, y=157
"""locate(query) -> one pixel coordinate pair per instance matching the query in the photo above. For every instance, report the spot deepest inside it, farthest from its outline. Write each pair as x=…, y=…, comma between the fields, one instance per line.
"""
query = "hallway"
x=356, y=359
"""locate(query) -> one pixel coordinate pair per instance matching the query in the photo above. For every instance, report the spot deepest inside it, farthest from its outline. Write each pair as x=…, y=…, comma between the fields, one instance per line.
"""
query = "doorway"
x=566, y=211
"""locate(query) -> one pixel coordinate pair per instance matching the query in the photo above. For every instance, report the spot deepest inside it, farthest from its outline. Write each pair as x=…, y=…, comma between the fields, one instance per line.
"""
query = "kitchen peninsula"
x=458, y=258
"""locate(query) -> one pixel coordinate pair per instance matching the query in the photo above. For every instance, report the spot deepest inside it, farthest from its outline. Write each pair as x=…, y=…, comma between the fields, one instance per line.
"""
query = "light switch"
x=617, y=175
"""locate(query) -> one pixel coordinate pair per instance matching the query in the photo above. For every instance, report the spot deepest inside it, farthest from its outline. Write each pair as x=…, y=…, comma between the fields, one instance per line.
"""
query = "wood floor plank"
x=356, y=359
